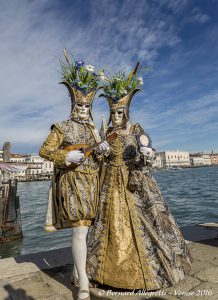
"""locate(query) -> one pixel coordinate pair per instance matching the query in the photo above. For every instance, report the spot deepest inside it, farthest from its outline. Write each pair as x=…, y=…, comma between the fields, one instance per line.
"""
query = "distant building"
x=21, y=174
x=47, y=168
x=158, y=162
x=196, y=161
x=32, y=167
x=207, y=159
x=200, y=159
x=39, y=168
x=34, y=170
x=175, y=158
x=19, y=158
x=35, y=158
x=214, y=159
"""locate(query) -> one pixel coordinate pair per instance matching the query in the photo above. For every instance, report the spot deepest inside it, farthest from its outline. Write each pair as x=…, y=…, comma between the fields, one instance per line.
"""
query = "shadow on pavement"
x=16, y=294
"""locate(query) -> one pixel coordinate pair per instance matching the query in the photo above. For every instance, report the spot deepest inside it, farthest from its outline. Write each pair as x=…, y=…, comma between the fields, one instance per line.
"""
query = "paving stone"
x=198, y=266
x=209, y=274
x=31, y=289
x=214, y=261
x=29, y=279
x=10, y=268
x=203, y=252
x=5, y=280
x=59, y=282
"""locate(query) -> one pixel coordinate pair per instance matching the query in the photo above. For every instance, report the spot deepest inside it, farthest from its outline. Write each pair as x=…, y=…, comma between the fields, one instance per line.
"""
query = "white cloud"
x=110, y=34
x=197, y=16
x=33, y=35
x=180, y=123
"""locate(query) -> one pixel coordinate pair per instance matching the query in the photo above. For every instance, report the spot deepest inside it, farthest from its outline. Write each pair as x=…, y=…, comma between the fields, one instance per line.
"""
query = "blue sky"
x=177, y=39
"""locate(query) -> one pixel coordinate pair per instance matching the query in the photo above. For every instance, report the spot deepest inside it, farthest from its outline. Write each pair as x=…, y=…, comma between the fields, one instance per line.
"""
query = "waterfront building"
x=19, y=158
x=21, y=174
x=24, y=167
x=35, y=167
x=214, y=159
x=175, y=158
x=207, y=159
x=158, y=162
x=38, y=168
x=35, y=159
x=197, y=161
x=47, y=168
x=31, y=167
x=200, y=159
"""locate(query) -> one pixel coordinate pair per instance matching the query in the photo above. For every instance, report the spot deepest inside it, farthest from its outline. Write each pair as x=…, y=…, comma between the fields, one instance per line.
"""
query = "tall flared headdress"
x=123, y=102
x=78, y=96
x=81, y=81
x=123, y=99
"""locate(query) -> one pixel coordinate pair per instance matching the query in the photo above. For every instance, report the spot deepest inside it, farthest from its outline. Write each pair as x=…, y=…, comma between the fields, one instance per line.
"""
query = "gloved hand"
x=147, y=151
x=103, y=147
x=74, y=156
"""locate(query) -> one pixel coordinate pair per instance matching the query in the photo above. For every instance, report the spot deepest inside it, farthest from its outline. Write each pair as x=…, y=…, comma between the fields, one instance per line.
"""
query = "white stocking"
x=79, y=252
x=75, y=273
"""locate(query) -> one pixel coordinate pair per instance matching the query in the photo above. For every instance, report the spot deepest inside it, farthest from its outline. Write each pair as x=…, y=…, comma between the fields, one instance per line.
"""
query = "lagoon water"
x=192, y=195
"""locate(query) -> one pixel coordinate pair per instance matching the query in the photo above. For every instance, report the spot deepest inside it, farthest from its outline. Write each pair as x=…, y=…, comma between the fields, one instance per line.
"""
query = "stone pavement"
x=46, y=276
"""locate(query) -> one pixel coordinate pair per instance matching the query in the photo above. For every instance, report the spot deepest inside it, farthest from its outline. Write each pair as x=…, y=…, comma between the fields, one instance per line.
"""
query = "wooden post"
x=10, y=220
x=6, y=158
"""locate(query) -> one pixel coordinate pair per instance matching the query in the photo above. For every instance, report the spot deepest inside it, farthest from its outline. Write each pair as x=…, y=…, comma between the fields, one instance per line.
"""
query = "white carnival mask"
x=118, y=117
x=82, y=110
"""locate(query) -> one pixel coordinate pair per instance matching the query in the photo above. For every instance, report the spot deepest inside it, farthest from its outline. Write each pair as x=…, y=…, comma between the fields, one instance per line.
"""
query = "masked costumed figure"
x=135, y=242
x=74, y=191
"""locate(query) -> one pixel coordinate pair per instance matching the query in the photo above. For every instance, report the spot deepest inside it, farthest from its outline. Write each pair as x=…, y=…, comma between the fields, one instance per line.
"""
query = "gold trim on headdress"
x=78, y=96
x=123, y=102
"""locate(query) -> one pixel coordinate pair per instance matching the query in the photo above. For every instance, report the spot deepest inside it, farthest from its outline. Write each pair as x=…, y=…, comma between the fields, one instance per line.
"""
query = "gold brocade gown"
x=135, y=242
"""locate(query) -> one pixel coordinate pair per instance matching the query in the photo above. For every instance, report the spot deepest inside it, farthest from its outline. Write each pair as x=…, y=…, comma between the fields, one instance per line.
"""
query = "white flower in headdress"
x=123, y=91
x=90, y=68
x=102, y=76
x=140, y=79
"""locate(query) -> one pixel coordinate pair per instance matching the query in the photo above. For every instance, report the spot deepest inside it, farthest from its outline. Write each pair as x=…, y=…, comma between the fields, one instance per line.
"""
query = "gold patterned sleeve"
x=50, y=148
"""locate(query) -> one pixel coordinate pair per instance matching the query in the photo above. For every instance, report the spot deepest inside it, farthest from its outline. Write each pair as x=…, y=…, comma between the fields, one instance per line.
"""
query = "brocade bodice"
x=76, y=133
x=124, y=148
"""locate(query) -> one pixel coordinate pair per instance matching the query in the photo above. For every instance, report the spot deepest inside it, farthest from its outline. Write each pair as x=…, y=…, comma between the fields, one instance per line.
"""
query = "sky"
x=176, y=39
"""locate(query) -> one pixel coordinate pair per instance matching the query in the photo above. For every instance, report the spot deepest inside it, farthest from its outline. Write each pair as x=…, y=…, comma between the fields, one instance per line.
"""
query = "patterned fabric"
x=135, y=242
x=74, y=192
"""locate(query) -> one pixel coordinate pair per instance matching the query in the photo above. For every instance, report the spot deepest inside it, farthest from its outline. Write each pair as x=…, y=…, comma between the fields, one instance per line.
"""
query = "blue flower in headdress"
x=80, y=63
x=115, y=99
x=93, y=73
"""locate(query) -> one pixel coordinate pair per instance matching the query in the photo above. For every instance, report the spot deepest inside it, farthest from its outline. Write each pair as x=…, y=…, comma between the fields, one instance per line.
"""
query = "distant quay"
x=34, y=179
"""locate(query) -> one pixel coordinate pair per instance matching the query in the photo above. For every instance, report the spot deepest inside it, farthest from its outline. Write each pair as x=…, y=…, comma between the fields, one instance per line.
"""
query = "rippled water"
x=192, y=195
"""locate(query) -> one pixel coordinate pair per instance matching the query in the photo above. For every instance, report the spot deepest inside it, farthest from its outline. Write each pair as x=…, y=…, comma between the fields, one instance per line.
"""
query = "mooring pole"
x=6, y=159
x=10, y=219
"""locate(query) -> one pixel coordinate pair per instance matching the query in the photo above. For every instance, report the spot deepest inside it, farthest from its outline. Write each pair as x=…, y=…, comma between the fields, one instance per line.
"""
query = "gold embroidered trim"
x=81, y=223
